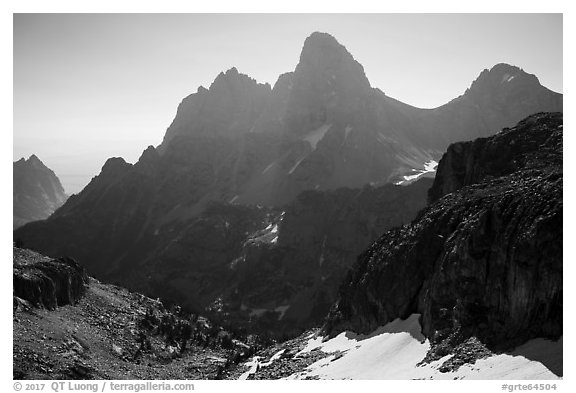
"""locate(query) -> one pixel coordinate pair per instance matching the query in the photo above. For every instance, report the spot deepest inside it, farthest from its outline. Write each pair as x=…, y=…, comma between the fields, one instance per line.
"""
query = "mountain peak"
x=318, y=37
x=37, y=191
x=323, y=50
x=115, y=165
x=325, y=58
x=501, y=74
x=501, y=68
x=233, y=79
x=32, y=162
x=232, y=71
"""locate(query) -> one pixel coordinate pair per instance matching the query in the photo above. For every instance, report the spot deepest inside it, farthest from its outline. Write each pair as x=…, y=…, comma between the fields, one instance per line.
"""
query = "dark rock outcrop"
x=467, y=163
x=46, y=282
x=37, y=191
x=483, y=260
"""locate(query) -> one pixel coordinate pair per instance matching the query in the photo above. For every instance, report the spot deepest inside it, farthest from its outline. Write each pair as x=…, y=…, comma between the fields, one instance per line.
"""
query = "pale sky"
x=92, y=86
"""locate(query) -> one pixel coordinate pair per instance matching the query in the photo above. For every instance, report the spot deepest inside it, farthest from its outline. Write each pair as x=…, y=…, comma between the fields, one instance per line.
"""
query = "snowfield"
x=394, y=350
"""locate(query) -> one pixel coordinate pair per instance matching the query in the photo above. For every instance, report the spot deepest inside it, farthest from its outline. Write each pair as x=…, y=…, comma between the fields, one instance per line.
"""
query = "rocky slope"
x=164, y=225
x=36, y=192
x=484, y=260
x=106, y=332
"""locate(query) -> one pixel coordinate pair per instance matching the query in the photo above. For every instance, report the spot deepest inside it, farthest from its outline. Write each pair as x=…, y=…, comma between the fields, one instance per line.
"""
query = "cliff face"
x=46, y=282
x=485, y=259
x=528, y=146
x=37, y=191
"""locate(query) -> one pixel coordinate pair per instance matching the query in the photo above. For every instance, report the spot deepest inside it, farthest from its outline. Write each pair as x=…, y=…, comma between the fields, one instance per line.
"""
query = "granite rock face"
x=46, y=282
x=37, y=191
x=485, y=258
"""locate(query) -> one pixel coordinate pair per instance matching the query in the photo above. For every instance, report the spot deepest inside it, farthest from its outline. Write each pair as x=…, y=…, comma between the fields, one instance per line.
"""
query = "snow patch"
x=321, y=259
x=507, y=78
x=347, y=131
x=296, y=166
x=268, y=167
x=384, y=139
x=282, y=310
x=235, y=263
x=257, y=312
x=255, y=364
x=394, y=350
x=429, y=167
x=315, y=136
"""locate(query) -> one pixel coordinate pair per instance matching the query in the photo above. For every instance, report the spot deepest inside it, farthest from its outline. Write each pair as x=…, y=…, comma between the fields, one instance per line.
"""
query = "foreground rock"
x=484, y=260
x=46, y=282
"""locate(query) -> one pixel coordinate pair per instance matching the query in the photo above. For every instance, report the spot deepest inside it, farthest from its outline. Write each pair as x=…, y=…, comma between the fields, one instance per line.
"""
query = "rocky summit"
x=36, y=193
x=484, y=259
x=259, y=198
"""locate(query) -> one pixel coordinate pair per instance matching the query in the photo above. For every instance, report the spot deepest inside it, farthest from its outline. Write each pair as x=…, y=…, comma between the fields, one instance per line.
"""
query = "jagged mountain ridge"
x=37, y=191
x=319, y=128
x=484, y=259
x=328, y=128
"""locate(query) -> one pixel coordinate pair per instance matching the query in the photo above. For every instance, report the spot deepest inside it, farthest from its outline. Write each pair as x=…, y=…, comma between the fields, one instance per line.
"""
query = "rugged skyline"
x=81, y=97
x=294, y=213
x=224, y=207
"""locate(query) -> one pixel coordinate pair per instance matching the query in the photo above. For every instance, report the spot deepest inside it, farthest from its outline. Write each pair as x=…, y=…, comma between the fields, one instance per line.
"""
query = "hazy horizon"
x=92, y=86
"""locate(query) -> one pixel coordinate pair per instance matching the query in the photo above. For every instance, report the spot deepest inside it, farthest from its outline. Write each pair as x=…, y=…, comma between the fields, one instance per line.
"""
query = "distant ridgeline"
x=36, y=192
x=260, y=198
